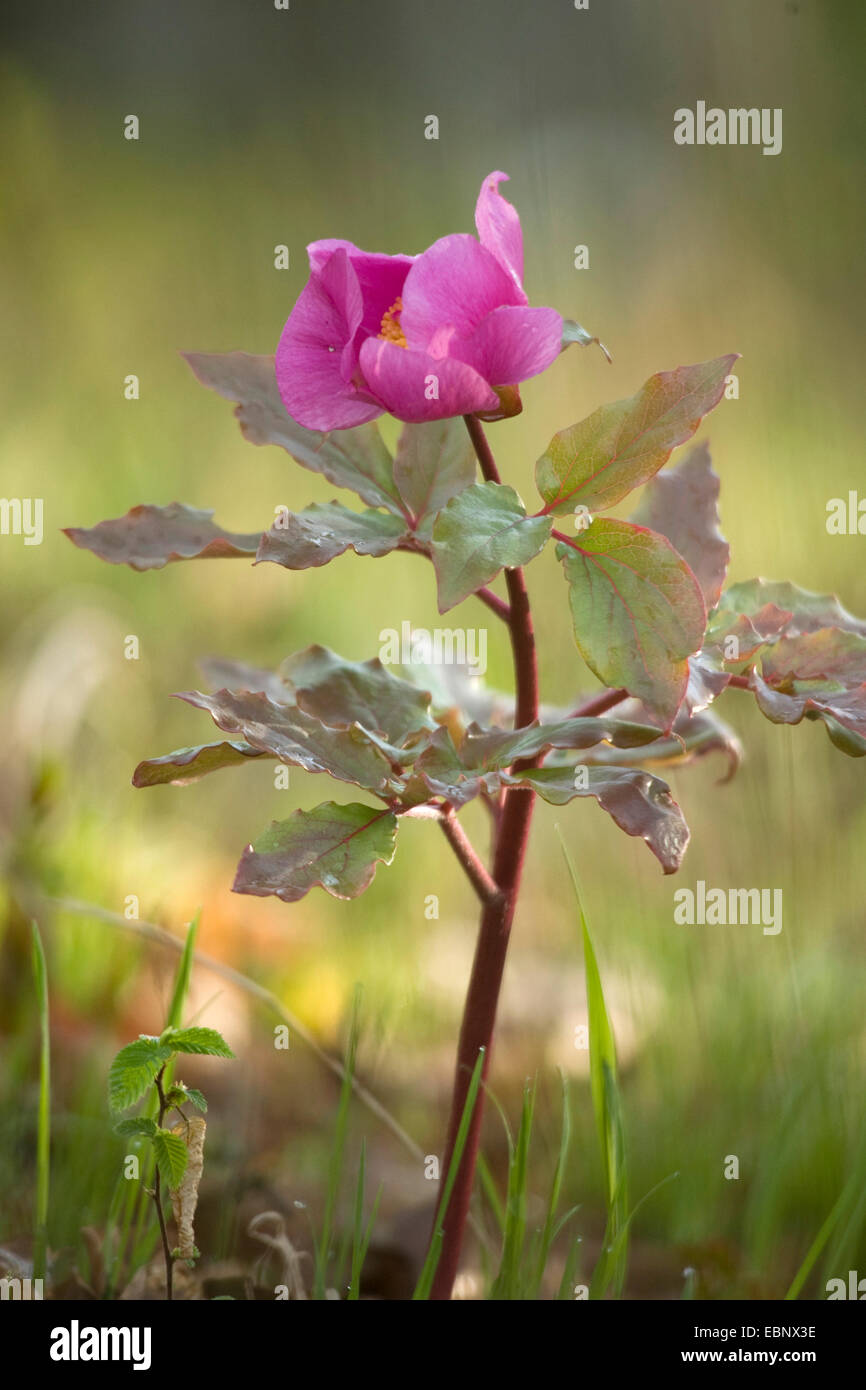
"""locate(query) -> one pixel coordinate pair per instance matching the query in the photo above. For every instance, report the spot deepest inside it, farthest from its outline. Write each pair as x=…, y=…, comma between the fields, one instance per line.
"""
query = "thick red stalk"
x=479, y=1013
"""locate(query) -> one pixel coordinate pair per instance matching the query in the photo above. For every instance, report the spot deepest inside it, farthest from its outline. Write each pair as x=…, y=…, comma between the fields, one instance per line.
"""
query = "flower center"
x=390, y=329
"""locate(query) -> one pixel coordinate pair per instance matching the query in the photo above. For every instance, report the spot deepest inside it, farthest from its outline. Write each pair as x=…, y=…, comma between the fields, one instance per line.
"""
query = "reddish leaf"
x=599, y=461
x=355, y=458
x=148, y=538
x=639, y=803
x=293, y=736
x=680, y=503
x=189, y=764
x=335, y=847
x=433, y=463
x=637, y=610
x=313, y=537
x=341, y=693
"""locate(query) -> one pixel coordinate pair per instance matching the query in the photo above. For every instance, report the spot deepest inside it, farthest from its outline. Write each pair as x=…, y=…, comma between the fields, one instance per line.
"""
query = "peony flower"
x=449, y=332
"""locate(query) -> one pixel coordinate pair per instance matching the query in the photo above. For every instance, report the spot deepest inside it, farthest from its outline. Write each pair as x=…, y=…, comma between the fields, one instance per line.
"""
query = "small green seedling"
x=178, y=1151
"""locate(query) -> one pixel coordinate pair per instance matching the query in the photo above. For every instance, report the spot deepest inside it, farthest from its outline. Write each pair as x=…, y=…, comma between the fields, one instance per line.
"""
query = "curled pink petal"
x=512, y=344
x=315, y=356
x=499, y=228
x=416, y=387
x=380, y=277
x=454, y=282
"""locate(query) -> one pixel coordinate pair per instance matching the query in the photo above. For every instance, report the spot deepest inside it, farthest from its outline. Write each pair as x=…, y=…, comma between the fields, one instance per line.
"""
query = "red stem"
x=479, y=1013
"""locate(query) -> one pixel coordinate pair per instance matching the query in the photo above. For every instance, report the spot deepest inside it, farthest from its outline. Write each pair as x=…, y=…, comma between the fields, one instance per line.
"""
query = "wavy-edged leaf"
x=224, y=674
x=640, y=803
x=808, y=611
x=341, y=693
x=205, y=1042
x=333, y=847
x=481, y=530
x=186, y=765
x=148, y=538
x=133, y=1071
x=693, y=736
x=171, y=1156
x=293, y=736
x=600, y=460
x=817, y=675
x=433, y=463
x=324, y=530
x=355, y=458
x=681, y=503
x=637, y=610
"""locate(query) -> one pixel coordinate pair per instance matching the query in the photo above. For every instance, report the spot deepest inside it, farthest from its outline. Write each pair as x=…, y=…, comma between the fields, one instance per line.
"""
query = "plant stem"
x=157, y=1197
x=468, y=857
x=482, y=998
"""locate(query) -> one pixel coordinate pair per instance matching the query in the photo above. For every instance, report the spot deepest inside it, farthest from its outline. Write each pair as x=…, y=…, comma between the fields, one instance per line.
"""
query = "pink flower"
x=422, y=337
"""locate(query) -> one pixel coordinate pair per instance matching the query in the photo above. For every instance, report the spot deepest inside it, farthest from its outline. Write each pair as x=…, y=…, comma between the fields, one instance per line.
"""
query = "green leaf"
x=321, y=532
x=637, y=610
x=147, y=538
x=292, y=736
x=133, y=1070
x=681, y=503
x=355, y=458
x=205, y=1041
x=141, y=1126
x=639, y=803
x=340, y=692
x=171, y=1156
x=607, y=1106
x=574, y=332
x=195, y=1098
x=599, y=461
x=335, y=847
x=186, y=765
x=481, y=530
x=434, y=462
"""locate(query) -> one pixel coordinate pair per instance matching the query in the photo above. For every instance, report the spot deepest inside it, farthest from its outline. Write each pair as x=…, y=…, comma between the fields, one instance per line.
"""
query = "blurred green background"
x=261, y=127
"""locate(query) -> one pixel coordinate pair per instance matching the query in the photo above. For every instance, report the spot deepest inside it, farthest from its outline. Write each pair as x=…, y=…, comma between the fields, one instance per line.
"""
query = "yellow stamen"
x=391, y=329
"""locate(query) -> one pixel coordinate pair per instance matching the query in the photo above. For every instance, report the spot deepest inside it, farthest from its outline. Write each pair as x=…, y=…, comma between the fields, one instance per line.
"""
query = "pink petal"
x=402, y=379
x=315, y=356
x=499, y=228
x=511, y=344
x=455, y=282
x=380, y=277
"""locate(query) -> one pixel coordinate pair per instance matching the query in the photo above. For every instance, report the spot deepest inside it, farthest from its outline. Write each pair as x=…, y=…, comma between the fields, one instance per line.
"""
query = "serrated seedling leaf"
x=148, y=538
x=142, y=1126
x=205, y=1041
x=195, y=1098
x=171, y=1156
x=133, y=1071
x=334, y=847
x=600, y=460
x=482, y=530
x=637, y=610
x=354, y=458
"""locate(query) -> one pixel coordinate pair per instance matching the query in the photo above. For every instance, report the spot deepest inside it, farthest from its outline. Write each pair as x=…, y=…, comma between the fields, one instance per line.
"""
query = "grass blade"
x=607, y=1107
x=507, y=1285
x=43, y=1125
x=338, y=1153
x=428, y=1273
